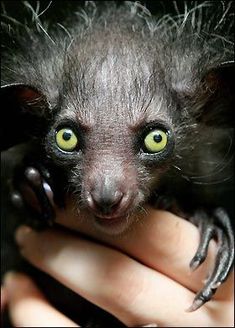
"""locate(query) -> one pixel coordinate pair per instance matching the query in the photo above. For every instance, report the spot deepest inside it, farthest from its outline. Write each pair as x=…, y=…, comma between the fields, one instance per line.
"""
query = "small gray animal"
x=119, y=108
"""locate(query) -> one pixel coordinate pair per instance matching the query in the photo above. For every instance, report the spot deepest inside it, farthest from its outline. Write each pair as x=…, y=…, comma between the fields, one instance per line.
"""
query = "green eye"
x=66, y=139
x=155, y=141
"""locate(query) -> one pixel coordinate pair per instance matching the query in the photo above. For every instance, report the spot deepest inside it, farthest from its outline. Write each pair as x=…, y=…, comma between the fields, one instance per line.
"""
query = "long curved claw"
x=197, y=303
x=224, y=259
x=206, y=228
x=225, y=224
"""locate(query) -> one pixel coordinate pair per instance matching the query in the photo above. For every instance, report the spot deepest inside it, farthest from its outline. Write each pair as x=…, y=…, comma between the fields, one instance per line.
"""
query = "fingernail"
x=21, y=234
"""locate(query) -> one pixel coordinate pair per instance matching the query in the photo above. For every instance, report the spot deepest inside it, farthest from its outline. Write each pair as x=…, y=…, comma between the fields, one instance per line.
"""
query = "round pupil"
x=157, y=137
x=67, y=135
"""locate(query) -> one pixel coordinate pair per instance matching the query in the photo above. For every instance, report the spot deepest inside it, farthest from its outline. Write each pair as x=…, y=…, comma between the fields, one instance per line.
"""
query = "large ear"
x=25, y=114
x=219, y=84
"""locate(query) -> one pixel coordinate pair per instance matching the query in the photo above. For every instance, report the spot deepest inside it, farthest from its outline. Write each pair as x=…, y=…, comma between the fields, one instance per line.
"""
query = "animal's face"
x=114, y=152
x=112, y=134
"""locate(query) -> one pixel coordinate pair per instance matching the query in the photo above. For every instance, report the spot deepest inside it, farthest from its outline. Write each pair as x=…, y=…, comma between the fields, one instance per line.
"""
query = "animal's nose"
x=105, y=201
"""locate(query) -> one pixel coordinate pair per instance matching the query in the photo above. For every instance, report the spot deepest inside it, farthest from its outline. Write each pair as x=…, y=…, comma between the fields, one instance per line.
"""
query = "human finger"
x=132, y=292
x=28, y=307
x=160, y=240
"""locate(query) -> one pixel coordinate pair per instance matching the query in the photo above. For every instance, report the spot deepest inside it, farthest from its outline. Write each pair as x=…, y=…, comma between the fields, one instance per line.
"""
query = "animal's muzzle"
x=105, y=201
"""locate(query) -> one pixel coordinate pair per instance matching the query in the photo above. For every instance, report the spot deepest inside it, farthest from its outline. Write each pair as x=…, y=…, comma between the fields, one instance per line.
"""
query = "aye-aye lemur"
x=118, y=108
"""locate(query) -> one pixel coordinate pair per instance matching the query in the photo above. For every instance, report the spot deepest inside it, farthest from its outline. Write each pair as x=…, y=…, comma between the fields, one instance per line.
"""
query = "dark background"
x=15, y=13
x=58, y=10
x=12, y=11
x=15, y=8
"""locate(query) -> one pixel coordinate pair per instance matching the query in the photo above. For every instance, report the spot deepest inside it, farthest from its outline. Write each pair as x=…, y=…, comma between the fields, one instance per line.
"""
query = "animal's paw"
x=216, y=225
x=33, y=190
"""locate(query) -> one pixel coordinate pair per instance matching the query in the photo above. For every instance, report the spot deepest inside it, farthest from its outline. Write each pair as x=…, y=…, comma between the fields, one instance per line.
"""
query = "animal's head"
x=114, y=113
x=114, y=152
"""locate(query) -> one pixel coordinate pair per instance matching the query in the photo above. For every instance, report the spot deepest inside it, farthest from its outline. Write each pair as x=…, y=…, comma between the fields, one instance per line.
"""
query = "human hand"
x=146, y=279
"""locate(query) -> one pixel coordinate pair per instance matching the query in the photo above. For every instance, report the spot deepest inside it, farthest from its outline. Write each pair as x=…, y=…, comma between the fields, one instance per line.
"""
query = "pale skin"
x=145, y=280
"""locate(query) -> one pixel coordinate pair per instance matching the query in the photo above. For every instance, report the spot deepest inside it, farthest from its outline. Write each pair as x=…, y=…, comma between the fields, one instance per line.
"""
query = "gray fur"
x=112, y=70
x=122, y=65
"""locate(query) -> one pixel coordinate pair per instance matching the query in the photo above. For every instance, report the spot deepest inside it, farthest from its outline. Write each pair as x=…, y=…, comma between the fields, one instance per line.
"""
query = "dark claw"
x=225, y=223
x=221, y=228
x=206, y=229
x=212, y=283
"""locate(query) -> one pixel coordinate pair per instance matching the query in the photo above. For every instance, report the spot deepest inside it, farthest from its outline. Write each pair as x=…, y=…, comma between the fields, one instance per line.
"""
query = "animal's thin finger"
x=28, y=307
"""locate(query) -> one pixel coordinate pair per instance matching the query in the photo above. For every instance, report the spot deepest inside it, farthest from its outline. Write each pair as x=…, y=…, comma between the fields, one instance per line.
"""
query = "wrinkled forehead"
x=117, y=114
x=115, y=90
x=124, y=110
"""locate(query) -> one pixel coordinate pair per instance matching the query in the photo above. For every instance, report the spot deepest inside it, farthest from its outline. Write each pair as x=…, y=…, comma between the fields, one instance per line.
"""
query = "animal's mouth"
x=112, y=224
x=109, y=219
